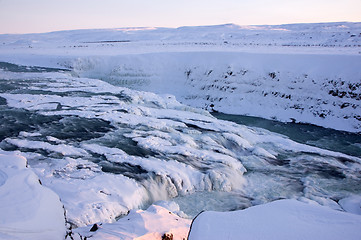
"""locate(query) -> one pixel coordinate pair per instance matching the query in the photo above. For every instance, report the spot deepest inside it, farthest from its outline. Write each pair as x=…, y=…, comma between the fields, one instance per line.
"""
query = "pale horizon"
x=38, y=16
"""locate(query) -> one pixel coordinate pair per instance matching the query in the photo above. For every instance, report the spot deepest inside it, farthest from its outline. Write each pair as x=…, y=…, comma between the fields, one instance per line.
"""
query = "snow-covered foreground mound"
x=283, y=219
x=28, y=209
x=300, y=72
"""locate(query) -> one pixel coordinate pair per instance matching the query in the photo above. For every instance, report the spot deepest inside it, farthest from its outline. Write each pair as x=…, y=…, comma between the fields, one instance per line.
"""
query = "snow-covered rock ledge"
x=283, y=219
x=319, y=89
x=28, y=210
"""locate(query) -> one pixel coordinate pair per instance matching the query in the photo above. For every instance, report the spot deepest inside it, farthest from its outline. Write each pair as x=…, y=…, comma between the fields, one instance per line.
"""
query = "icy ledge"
x=283, y=219
x=28, y=209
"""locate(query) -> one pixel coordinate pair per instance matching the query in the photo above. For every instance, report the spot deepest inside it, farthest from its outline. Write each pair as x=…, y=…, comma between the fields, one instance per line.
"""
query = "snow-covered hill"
x=325, y=35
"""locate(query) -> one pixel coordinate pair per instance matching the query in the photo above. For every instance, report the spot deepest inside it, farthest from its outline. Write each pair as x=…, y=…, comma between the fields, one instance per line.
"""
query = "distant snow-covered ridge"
x=341, y=34
x=307, y=73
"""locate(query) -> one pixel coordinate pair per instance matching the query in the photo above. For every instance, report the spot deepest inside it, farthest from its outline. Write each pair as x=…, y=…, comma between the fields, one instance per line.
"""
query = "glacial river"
x=147, y=148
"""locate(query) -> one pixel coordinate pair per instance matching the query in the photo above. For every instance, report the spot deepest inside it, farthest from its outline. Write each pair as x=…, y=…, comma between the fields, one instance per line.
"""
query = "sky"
x=33, y=16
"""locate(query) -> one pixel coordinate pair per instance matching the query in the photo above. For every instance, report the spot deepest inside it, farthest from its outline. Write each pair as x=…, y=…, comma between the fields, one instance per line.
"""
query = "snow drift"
x=283, y=219
x=28, y=209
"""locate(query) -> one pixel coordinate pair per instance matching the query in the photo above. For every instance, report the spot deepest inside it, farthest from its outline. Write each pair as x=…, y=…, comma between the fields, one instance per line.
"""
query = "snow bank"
x=28, y=209
x=283, y=219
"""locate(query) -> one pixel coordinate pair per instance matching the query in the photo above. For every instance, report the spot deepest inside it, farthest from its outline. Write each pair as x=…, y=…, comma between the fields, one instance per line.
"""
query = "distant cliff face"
x=312, y=90
x=321, y=89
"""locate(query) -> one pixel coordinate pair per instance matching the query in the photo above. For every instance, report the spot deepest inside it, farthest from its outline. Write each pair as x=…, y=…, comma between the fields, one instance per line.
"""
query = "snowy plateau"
x=116, y=133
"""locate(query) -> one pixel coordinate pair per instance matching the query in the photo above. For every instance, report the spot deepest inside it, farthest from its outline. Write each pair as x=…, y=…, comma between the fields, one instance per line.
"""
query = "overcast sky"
x=28, y=16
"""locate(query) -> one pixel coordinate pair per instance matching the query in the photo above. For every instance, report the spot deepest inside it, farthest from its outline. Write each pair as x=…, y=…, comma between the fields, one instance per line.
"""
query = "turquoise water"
x=326, y=138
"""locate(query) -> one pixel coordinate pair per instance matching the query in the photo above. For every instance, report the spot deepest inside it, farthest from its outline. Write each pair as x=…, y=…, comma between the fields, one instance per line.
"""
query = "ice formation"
x=114, y=123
